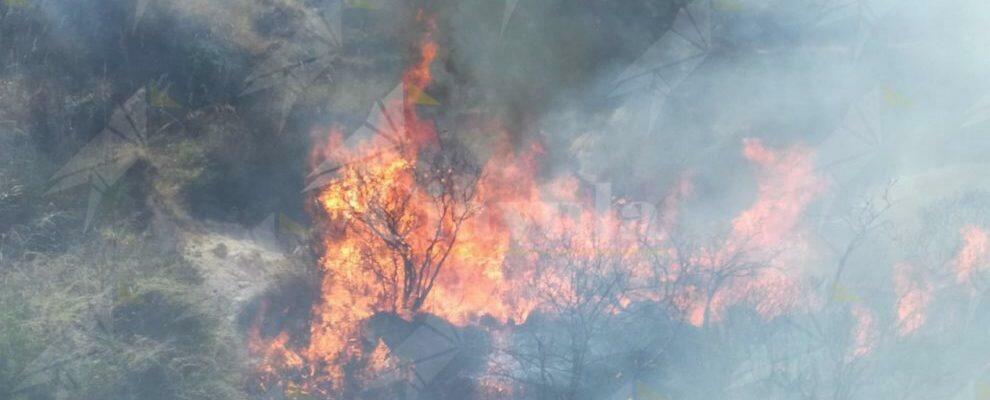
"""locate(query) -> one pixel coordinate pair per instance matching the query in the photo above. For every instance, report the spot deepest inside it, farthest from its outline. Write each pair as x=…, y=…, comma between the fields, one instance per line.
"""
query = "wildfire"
x=787, y=185
x=913, y=296
x=767, y=234
x=916, y=289
x=972, y=255
x=864, y=331
x=387, y=236
x=512, y=244
x=412, y=225
x=406, y=219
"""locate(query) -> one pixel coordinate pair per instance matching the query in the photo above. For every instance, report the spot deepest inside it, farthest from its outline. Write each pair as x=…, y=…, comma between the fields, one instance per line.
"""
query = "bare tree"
x=581, y=281
x=403, y=242
x=860, y=221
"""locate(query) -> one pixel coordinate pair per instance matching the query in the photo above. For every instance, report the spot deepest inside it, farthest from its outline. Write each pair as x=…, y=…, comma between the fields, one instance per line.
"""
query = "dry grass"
x=113, y=318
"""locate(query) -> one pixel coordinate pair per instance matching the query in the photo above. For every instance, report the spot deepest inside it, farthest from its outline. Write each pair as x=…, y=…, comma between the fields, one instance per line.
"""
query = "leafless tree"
x=404, y=244
x=581, y=281
x=861, y=221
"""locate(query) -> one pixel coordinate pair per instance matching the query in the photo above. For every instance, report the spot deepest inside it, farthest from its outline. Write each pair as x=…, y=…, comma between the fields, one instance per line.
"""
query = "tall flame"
x=408, y=228
x=522, y=245
x=767, y=234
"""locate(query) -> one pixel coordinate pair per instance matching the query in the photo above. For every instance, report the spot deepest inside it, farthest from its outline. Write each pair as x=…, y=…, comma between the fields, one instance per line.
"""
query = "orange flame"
x=864, y=331
x=402, y=235
x=523, y=246
x=972, y=255
x=767, y=234
x=913, y=296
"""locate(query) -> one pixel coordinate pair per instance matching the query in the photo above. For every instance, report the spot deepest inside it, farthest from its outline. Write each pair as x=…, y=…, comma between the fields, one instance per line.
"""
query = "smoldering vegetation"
x=677, y=199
